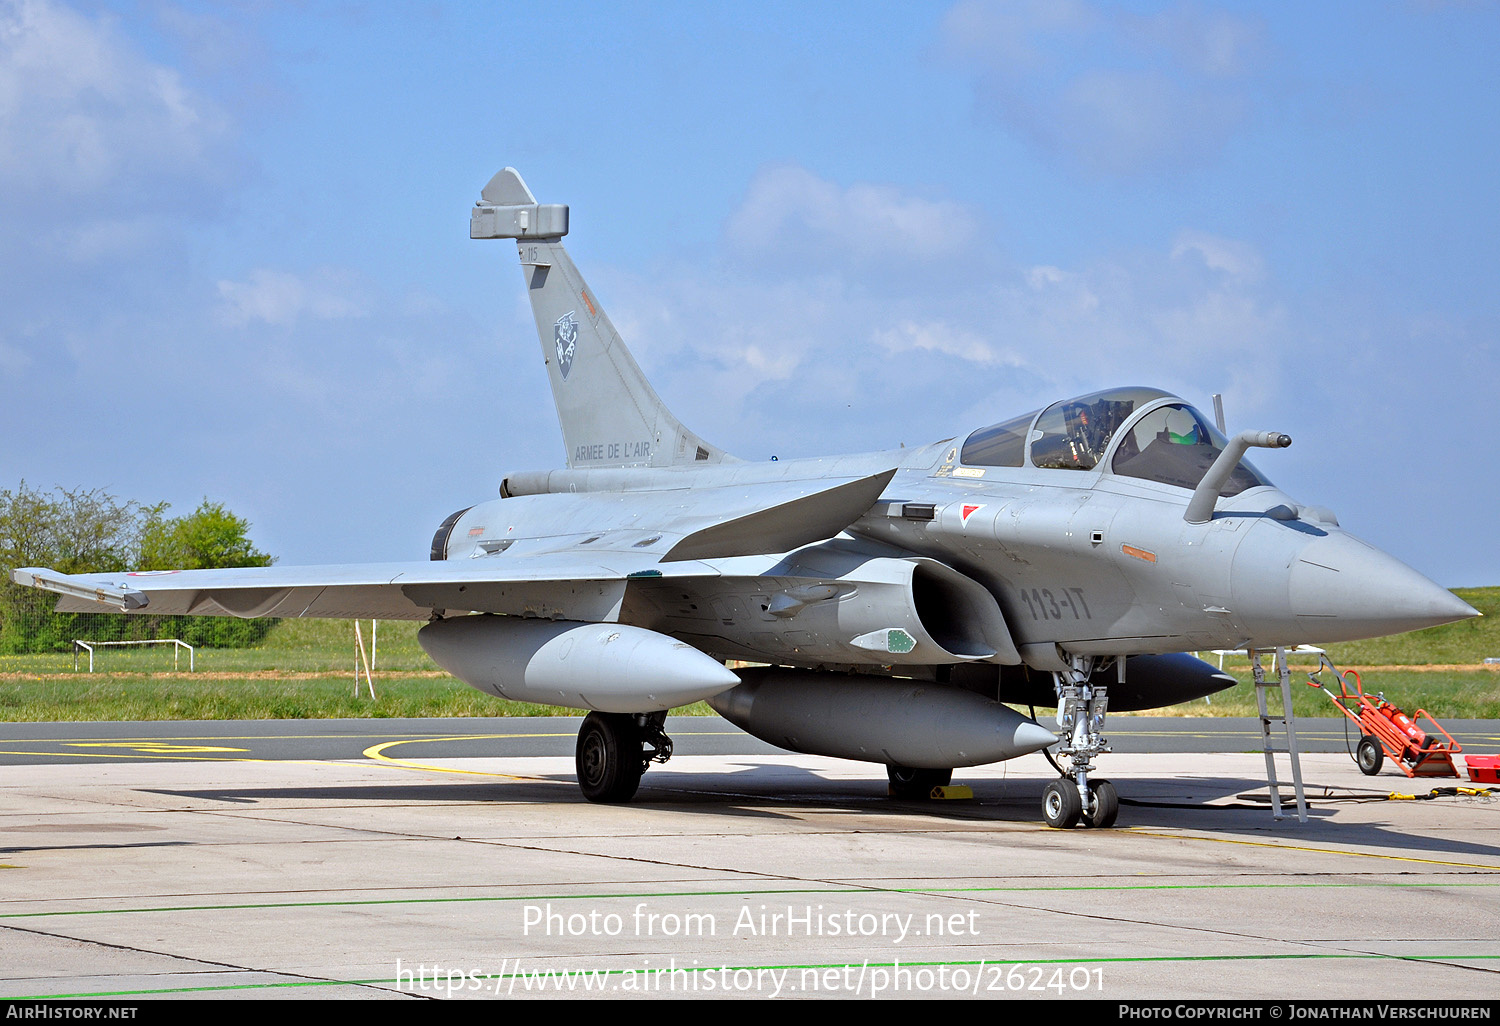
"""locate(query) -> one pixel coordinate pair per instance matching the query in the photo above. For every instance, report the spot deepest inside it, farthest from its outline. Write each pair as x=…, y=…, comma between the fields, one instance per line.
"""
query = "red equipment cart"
x=1388, y=733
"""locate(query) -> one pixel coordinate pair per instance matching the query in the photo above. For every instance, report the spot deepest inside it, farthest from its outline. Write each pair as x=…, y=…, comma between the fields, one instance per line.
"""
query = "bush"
x=93, y=532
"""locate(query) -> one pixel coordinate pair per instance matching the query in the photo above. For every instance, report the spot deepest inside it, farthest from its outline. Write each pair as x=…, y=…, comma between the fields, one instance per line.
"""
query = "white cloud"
x=941, y=337
x=1237, y=259
x=1146, y=313
x=85, y=115
x=90, y=240
x=280, y=298
x=788, y=210
x=109, y=159
x=1212, y=43
x=1112, y=92
x=12, y=360
x=1010, y=34
x=1062, y=291
x=757, y=346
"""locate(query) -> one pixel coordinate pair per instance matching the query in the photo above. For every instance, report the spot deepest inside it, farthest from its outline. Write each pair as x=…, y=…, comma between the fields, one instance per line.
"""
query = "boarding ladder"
x=1288, y=723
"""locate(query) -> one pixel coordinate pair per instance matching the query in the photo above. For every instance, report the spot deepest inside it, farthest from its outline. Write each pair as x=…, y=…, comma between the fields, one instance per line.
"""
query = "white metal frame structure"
x=89, y=646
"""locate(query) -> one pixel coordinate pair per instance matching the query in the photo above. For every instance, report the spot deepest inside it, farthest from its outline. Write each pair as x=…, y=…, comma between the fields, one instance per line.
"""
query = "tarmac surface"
x=456, y=858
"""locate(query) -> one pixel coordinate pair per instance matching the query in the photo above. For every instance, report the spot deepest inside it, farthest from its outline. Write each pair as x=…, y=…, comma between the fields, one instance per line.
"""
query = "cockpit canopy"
x=1155, y=437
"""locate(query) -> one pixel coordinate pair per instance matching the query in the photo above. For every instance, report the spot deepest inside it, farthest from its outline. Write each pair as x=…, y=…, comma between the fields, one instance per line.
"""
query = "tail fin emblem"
x=565, y=338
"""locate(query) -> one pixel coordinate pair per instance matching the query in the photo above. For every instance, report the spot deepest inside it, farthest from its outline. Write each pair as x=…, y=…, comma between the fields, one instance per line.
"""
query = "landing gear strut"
x=1081, y=708
x=614, y=750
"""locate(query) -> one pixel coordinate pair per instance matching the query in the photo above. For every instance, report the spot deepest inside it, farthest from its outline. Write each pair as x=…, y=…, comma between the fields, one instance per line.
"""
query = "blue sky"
x=234, y=259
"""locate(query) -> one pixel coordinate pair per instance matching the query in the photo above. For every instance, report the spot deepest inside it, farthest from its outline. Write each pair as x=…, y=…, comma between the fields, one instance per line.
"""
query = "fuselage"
x=1106, y=565
x=1082, y=558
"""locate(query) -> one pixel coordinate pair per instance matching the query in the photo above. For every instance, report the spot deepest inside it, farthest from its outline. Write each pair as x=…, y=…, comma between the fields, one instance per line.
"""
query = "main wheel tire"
x=1369, y=755
x=907, y=782
x=1061, y=804
x=608, y=757
x=1106, y=805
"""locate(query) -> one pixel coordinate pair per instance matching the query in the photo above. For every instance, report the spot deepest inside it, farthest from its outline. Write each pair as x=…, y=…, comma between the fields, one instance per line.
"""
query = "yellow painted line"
x=152, y=747
x=274, y=737
x=1319, y=851
x=298, y=737
x=377, y=753
x=155, y=758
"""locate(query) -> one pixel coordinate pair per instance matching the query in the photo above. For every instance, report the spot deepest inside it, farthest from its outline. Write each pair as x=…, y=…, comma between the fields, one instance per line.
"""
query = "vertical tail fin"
x=610, y=415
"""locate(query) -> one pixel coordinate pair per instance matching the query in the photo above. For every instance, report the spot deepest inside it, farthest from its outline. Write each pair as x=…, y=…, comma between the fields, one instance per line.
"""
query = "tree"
x=91, y=531
x=209, y=539
x=78, y=531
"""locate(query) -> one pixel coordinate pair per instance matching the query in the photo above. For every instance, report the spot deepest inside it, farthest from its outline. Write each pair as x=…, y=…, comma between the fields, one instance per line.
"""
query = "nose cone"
x=1346, y=589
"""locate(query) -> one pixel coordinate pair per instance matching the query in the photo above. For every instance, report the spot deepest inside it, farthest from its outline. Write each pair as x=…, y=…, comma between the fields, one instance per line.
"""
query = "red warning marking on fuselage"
x=966, y=511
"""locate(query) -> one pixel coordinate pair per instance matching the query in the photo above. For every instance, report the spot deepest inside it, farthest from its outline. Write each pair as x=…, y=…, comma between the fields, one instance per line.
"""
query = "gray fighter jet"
x=891, y=603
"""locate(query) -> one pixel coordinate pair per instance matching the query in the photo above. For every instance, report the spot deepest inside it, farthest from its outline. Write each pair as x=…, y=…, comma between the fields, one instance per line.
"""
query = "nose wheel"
x=1063, y=805
x=1105, y=807
x=1081, y=708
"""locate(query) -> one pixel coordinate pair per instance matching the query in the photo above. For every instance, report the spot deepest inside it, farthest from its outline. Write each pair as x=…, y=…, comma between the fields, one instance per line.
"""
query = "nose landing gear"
x=1081, y=708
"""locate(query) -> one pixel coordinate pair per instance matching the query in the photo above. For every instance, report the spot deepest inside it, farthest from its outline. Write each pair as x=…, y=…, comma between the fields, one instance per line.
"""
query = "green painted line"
x=428, y=901
x=741, y=893
x=82, y=995
x=1203, y=887
x=546, y=976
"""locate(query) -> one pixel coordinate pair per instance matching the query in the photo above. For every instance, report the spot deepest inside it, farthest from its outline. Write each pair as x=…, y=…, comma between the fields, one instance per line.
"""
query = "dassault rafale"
x=893, y=606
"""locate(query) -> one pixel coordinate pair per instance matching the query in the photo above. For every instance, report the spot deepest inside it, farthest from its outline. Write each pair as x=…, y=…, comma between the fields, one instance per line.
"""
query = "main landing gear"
x=1081, y=708
x=614, y=750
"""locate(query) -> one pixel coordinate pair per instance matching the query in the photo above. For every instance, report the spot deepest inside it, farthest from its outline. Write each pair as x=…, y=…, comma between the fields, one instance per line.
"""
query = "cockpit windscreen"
x=1073, y=434
x=1000, y=445
x=1175, y=445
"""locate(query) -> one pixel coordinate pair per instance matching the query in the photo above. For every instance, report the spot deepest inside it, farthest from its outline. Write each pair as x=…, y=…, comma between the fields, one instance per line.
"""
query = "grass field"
x=1466, y=643
x=1437, y=669
x=1444, y=694
x=305, y=670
